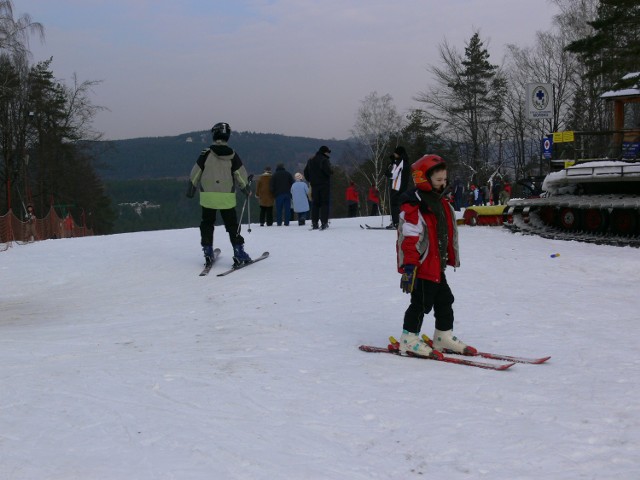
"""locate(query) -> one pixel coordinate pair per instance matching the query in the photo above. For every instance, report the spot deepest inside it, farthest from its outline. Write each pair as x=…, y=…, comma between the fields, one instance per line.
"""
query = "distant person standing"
x=476, y=199
x=496, y=189
x=353, y=199
x=265, y=197
x=318, y=172
x=505, y=194
x=399, y=174
x=373, y=199
x=485, y=192
x=217, y=174
x=68, y=226
x=30, y=225
x=281, y=182
x=458, y=195
x=300, y=198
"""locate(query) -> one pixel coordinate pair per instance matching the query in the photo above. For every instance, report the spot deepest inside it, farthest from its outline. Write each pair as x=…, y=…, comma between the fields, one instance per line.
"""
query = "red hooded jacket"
x=418, y=239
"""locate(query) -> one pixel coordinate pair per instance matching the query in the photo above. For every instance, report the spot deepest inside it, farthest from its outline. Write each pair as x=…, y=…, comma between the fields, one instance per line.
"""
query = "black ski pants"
x=394, y=201
x=207, y=226
x=320, y=205
x=266, y=215
x=425, y=296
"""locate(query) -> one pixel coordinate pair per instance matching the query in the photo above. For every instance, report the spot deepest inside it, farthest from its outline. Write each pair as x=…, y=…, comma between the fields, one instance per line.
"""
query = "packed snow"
x=119, y=362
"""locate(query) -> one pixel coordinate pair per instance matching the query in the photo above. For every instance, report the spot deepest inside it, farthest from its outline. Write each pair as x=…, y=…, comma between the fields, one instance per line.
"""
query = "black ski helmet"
x=221, y=131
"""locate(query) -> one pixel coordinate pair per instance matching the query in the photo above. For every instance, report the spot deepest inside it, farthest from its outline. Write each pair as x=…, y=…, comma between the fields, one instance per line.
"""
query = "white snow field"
x=117, y=361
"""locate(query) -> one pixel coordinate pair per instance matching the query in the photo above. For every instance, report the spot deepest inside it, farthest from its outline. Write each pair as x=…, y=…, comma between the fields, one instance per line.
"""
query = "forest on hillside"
x=173, y=157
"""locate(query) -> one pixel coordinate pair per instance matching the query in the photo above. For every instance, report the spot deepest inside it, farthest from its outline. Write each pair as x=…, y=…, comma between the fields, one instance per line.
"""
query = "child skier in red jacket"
x=427, y=243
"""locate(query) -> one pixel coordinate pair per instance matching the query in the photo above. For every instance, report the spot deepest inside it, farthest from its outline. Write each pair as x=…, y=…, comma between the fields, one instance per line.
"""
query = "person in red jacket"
x=427, y=243
x=353, y=199
x=373, y=199
x=505, y=194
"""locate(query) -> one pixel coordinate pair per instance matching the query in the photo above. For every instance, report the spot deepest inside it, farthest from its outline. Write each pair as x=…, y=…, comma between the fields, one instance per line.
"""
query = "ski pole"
x=388, y=200
x=242, y=215
x=249, y=182
x=248, y=216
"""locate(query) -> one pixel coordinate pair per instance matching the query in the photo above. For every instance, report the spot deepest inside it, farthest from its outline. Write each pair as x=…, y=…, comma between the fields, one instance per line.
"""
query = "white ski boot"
x=446, y=341
x=413, y=343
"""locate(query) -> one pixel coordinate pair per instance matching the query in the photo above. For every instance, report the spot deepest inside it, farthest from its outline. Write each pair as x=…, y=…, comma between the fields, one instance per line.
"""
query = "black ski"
x=242, y=265
x=209, y=264
x=369, y=227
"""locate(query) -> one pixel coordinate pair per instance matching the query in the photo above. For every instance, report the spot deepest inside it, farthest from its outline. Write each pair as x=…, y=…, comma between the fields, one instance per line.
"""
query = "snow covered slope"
x=117, y=361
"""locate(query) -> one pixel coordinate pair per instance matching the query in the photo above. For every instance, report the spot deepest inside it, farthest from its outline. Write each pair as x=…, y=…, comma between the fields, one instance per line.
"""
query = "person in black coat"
x=281, y=182
x=399, y=174
x=318, y=172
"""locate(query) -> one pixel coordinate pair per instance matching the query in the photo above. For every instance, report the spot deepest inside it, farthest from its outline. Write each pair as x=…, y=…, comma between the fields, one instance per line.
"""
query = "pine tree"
x=613, y=49
x=421, y=136
x=468, y=103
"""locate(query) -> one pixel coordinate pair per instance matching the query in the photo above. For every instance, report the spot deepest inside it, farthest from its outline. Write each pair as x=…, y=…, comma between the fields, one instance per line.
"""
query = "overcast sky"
x=295, y=67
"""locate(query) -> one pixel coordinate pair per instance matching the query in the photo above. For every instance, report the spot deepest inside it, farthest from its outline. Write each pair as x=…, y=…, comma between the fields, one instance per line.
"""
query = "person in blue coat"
x=300, y=197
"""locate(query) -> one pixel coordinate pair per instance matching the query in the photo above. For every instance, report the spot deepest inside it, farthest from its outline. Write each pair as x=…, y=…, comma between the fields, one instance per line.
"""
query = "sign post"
x=540, y=101
x=539, y=106
x=547, y=145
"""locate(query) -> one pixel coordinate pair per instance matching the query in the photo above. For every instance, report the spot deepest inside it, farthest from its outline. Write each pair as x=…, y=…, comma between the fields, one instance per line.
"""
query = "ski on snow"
x=394, y=349
x=207, y=267
x=368, y=227
x=496, y=356
x=243, y=265
x=458, y=361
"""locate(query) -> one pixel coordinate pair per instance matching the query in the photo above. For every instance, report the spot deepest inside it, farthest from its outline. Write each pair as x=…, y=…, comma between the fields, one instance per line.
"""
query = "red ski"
x=497, y=356
x=394, y=348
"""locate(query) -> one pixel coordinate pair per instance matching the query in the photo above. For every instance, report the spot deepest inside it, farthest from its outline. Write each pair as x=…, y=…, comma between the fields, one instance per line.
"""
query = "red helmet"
x=420, y=170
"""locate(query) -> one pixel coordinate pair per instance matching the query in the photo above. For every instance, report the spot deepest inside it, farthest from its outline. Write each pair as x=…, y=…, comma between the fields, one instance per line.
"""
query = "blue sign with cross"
x=547, y=148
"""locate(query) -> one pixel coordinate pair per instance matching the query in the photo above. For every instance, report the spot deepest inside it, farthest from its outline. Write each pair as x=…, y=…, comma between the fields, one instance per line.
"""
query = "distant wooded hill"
x=173, y=157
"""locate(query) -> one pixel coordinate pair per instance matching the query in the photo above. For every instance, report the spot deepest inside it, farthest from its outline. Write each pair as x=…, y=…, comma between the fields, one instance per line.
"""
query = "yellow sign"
x=569, y=163
x=559, y=137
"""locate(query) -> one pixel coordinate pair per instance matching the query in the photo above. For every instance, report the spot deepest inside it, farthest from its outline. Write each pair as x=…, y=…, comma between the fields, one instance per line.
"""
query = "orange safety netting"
x=14, y=229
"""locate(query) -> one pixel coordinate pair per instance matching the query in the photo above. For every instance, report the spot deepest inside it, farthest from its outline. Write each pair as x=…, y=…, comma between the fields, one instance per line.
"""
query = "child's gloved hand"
x=408, y=278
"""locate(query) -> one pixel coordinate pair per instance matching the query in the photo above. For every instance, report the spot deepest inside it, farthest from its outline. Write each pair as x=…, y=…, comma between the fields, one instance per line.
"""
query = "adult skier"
x=217, y=174
x=399, y=174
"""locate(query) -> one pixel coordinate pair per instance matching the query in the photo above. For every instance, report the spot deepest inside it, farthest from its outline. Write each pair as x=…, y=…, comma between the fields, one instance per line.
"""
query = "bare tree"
x=547, y=62
x=80, y=110
x=577, y=105
x=14, y=33
x=467, y=101
x=14, y=50
x=377, y=125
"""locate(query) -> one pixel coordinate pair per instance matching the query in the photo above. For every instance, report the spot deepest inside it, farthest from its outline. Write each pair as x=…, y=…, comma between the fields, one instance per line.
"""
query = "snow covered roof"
x=625, y=92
